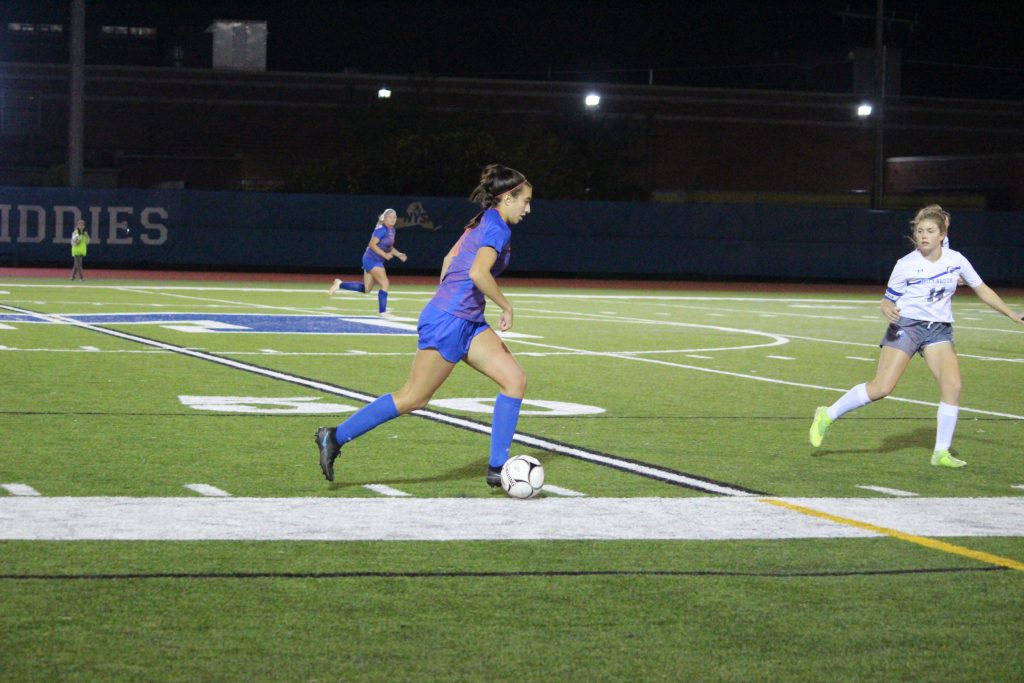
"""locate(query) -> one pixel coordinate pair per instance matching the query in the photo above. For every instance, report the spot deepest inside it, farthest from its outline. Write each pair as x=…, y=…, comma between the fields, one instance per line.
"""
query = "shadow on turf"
x=923, y=437
x=468, y=471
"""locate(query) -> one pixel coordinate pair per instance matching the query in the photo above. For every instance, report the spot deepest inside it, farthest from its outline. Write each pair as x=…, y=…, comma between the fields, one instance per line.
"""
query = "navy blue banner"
x=186, y=229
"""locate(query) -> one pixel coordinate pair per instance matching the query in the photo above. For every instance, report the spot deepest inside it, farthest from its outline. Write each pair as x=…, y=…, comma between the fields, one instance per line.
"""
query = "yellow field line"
x=910, y=538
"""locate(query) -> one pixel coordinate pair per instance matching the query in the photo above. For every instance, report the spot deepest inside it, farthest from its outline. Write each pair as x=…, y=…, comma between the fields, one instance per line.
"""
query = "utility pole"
x=76, y=94
x=878, y=172
x=878, y=93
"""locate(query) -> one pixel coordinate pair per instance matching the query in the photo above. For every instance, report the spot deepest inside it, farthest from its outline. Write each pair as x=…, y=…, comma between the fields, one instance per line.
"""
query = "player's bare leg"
x=428, y=372
x=945, y=366
x=489, y=356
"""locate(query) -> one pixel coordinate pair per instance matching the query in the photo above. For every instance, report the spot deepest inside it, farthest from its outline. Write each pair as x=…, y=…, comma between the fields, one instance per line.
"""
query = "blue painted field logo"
x=240, y=323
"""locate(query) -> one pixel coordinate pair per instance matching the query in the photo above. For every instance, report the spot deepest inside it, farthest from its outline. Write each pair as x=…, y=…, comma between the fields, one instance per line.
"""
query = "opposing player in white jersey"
x=917, y=304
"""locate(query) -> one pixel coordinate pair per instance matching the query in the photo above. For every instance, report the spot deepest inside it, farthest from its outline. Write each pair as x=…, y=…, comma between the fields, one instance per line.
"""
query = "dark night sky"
x=693, y=42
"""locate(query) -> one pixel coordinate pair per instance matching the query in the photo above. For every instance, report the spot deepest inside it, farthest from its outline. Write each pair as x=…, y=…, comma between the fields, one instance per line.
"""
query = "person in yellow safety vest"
x=79, y=246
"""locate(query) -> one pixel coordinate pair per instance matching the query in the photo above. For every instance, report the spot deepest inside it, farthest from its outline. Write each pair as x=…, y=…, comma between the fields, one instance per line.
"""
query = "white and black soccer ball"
x=522, y=476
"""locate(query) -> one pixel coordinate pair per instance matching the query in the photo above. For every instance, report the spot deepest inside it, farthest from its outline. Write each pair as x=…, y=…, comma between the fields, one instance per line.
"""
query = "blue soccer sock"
x=503, y=427
x=366, y=418
x=382, y=301
x=353, y=286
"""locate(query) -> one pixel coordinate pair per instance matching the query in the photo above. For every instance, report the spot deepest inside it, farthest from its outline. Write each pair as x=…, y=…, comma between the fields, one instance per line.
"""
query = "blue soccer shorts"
x=449, y=334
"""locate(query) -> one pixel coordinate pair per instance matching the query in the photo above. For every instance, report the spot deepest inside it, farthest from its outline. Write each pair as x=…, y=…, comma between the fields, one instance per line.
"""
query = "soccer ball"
x=522, y=476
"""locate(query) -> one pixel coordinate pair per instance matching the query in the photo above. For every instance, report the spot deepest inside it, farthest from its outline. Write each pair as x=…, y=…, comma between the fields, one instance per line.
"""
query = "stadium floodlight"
x=592, y=100
x=384, y=93
x=864, y=110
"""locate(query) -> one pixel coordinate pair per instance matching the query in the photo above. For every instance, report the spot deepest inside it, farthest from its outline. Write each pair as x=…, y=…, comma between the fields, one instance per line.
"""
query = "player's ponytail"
x=496, y=181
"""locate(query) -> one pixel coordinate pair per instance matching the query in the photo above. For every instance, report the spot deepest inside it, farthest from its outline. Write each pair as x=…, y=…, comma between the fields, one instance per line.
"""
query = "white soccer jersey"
x=923, y=290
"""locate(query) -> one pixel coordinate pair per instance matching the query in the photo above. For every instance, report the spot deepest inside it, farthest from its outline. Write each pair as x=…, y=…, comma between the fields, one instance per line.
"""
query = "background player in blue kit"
x=380, y=249
x=917, y=304
x=452, y=327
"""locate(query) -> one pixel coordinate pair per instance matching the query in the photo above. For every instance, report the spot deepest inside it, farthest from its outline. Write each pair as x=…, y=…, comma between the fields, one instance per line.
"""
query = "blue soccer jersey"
x=457, y=294
x=385, y=241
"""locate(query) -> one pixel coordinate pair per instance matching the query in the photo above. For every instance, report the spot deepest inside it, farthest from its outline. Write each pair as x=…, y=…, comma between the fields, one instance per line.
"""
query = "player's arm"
x=894, y=289
x=375, y=248
x=480, y=274
x=989, y=296
x=890, y=311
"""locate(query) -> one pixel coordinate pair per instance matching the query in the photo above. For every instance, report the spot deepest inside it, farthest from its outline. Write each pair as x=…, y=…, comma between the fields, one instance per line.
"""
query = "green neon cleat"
x=820, y=425
x=944, y=459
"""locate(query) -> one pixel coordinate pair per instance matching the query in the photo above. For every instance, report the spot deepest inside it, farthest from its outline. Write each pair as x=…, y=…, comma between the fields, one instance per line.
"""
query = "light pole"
x=76, y=94
x=878, y=169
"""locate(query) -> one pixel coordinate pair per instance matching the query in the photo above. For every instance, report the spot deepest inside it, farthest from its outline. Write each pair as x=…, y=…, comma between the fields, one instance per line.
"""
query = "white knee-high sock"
x=851, y=400
x=946, y=417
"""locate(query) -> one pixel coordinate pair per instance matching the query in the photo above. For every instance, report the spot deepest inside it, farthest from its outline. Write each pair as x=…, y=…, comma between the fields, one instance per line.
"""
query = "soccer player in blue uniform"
x=452, y=327
x=380, y=249
x=918, y=306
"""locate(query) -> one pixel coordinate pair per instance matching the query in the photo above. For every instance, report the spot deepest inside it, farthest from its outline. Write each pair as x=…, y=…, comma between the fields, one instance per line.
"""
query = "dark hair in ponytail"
x=496, y=180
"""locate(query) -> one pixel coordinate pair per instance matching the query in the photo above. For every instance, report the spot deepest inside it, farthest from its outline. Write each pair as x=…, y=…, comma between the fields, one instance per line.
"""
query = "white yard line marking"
x=559, y=491
x=651, y=471
x=869, y=360
x=781, y=357
x=496, y=518
x=887, y=491
x=875, y=346
x=207, y=490
x=1018, y=486
x=89, y=348
x=385, y=490
x=694, y=355
x=264, y=352
x=770, y=380
x=19, y=489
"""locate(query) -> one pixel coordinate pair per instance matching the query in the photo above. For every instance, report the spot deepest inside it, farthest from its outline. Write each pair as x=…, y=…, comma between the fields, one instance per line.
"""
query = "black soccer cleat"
x=329, y=450
x=493, y=476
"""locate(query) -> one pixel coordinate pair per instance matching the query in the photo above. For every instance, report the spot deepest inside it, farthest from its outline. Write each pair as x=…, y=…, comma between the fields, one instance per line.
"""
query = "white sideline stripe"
x=385, y=490
x=887, y=491
x=207, y=490
x=740, y=375
x=495, y=518
x=550, y=446
x=559, y=491
x=19, y=489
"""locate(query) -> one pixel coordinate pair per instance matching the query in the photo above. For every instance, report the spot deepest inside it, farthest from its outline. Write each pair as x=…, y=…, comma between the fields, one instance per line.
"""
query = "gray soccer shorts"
x=912, y=336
